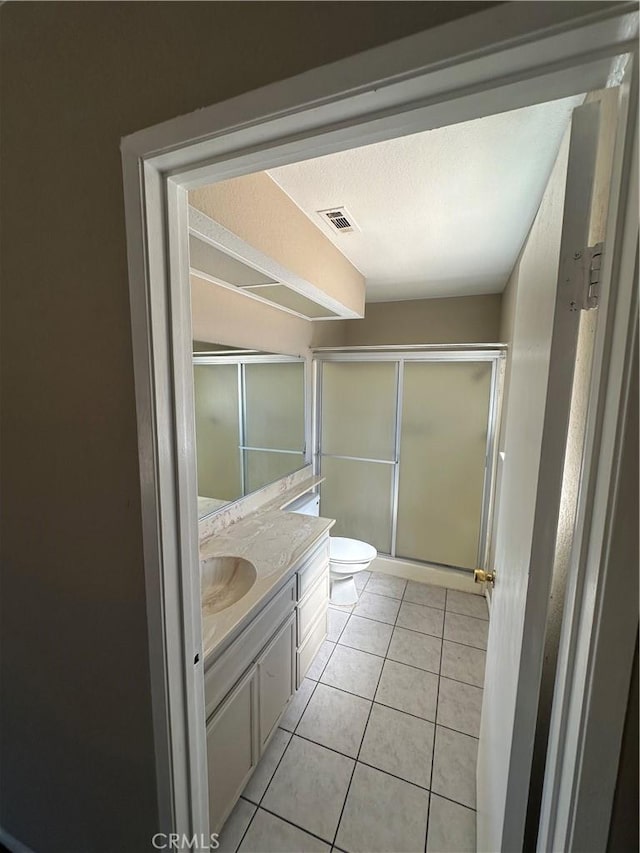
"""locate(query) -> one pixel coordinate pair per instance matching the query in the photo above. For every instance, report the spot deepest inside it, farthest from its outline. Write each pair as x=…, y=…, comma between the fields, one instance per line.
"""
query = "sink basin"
x=225, y=580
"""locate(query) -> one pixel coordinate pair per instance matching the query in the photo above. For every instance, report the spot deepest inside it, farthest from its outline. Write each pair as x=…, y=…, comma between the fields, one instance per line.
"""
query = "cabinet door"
x=276, y=678
x=232, y=748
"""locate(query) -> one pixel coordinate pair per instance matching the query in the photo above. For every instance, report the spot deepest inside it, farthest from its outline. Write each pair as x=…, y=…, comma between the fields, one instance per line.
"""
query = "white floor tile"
x=417, y=617
x=257, y=785
x=400, y=744
x=361, y=579
x=460, y=706
x=235, y=826
x=389, y=585
x=335, y=719
x=309, y=787
x=408, y=689
x=354, y=671
x=336, y=620
x=378, y=607
x=320, y=660
x=424, y=593
x=463, y=663
x=270, y=834
x=467, y=604
x=454, y=766
x=366, y=635
x=383, y=814
x=298, y=703
x=466, y=629
x=452, y=827
x=416, y=649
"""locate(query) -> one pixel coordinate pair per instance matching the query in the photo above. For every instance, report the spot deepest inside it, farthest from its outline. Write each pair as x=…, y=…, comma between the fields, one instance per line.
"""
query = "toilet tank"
x=305, y=505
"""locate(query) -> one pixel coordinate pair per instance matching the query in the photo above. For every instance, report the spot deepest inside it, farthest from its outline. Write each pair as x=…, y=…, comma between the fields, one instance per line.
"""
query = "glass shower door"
x=358, y=448
x=443, y=456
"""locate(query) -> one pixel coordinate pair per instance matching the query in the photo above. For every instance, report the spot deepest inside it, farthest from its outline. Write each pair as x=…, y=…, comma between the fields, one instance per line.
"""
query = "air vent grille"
x=338, y=219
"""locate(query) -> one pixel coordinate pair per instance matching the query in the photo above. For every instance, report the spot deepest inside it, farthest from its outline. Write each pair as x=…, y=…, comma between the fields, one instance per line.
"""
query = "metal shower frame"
x=495, y=354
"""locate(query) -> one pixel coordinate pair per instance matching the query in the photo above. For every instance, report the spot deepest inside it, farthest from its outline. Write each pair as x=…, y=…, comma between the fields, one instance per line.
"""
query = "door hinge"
x=592, y=266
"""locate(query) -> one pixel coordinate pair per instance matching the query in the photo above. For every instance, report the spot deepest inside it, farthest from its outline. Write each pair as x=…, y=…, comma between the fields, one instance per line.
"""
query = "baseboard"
x=436, y=575
x=12, y=843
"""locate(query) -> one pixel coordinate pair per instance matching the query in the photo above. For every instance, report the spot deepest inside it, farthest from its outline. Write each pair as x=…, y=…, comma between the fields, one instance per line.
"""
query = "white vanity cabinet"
x=249, y=685
x=232, y=747
x=276, y=678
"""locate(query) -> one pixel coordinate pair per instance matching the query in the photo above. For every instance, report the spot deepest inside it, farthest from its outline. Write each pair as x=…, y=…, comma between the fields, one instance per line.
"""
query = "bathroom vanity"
x=258, y=648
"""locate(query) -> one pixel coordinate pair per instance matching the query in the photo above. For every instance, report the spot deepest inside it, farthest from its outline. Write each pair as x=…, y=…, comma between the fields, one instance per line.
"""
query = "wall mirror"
x=250, y=421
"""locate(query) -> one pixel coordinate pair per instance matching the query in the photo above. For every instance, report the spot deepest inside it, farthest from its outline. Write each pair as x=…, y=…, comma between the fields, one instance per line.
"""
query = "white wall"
x=531, y=305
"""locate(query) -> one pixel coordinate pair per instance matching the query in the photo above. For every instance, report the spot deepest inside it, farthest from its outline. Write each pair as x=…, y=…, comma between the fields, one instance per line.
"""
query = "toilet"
x=347, y=557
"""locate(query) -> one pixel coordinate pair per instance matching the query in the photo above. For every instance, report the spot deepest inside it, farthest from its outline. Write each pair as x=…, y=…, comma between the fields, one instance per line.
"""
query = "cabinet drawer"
x=307, y=652
x=313, y=567
x=220, y=677
x=312, y=606
x=276, y=678
x=232, y=748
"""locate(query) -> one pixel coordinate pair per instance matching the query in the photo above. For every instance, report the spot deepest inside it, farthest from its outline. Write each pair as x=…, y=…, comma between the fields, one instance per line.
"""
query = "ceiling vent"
x=338, y=219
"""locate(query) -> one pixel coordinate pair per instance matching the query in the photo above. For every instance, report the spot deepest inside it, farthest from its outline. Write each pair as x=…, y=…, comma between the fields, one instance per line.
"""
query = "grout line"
x=468, y=616
x=457, y=680
x=364, y=732
x=255, y=812
x=291, y=823
x=360, y=761
x=444, y=797
x=426, y=833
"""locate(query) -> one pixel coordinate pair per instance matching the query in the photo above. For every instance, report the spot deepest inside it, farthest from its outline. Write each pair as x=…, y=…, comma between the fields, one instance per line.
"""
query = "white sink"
x=225, y=580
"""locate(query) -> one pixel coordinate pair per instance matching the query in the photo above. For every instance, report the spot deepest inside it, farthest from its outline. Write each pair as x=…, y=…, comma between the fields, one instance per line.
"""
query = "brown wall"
x=465, y=319
x=76, y=755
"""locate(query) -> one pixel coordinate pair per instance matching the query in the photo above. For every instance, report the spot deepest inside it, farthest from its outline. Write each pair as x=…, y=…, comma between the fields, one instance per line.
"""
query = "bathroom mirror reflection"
x=250, y=421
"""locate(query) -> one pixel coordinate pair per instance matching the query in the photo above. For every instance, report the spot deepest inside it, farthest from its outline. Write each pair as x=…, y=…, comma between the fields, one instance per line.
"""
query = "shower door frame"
x=399, y=356
x=240, y=361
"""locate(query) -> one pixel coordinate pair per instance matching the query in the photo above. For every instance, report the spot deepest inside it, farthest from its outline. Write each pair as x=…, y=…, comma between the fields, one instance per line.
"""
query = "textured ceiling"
x=441, y=213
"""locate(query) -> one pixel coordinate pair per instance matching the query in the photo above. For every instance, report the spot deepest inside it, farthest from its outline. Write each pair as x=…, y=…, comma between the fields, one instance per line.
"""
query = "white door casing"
x=541, y=376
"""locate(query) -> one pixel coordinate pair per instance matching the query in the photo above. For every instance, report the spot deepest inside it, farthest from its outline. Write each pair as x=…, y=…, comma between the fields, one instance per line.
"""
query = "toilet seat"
x=349, y=551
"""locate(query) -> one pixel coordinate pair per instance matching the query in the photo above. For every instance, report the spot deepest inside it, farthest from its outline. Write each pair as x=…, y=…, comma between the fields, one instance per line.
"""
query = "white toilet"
x=347, y=557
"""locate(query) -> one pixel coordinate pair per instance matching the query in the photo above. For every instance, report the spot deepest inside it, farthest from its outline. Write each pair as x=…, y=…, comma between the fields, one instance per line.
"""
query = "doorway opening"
x=166, y=163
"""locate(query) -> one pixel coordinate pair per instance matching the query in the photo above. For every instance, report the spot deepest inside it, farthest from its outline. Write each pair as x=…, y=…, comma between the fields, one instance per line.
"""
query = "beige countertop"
x=274, y=541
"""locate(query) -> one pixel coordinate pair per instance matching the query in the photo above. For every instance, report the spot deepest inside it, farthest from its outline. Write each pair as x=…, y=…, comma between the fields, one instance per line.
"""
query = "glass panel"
x=442, y=460
x=359, y=409
x=274, y=396
x=217, y=431
x=358, y=496
x=262, y=467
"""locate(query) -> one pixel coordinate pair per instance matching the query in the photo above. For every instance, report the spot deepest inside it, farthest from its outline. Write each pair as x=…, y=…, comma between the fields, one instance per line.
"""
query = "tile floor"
x=376, y=752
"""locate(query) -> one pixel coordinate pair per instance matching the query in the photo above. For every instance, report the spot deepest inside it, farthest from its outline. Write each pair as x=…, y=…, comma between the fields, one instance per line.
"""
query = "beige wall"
x=260, y=213
x=77, y=765
x=224, y=316
x=465, y=319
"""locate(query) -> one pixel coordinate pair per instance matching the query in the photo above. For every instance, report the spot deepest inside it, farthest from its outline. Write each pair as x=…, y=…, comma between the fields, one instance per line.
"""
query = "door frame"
x=496, y=60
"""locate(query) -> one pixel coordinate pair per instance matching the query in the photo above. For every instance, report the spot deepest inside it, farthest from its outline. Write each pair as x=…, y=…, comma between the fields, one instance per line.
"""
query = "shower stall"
x=406, y=440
